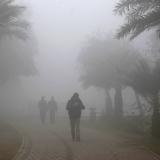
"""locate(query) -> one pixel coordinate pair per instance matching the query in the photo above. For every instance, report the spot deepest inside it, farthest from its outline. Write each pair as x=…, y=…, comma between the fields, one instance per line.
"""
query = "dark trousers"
x=75, y=128
x=52, y=116
x=42, y=116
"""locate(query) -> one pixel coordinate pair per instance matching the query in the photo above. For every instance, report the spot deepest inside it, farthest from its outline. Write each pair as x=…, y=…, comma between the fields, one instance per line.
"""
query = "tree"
x=145, y=80
x=100, y=64
x=92, y=62
x=16, y=60
x=139, y=105
x=140, y=15
x=11, y=21
x=16, y=53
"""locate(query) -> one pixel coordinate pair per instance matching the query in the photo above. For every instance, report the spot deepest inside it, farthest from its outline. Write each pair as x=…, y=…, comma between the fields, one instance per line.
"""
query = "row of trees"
x=112, y=64
x=142, y=15
x=105, y=63
x=16, y=54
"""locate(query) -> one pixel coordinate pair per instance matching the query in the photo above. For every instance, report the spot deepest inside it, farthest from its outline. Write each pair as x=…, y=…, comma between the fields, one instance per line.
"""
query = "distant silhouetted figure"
x=74, y=108
x=42, y=108
x=52, y=106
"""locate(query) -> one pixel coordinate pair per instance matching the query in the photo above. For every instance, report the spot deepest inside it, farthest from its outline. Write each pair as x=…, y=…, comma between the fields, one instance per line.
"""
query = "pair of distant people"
x=74, y=108
x=45, y=106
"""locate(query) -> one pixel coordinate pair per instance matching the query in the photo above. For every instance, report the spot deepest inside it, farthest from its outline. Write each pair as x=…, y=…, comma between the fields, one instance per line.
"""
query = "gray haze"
x=60, y=29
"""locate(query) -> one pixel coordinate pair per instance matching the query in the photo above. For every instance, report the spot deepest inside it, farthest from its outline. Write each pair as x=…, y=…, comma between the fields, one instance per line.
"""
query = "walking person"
x=52, y=106
x=42, y=104
x=74, y=108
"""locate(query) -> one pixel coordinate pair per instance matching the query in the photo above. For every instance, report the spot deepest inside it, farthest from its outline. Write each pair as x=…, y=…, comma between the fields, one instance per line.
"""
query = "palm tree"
x=100, y=63
x=140, y=15
x=145, y=81
x=11, y=22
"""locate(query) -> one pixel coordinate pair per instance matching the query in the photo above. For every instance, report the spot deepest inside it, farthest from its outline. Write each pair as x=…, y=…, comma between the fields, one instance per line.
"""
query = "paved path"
x=53, y=142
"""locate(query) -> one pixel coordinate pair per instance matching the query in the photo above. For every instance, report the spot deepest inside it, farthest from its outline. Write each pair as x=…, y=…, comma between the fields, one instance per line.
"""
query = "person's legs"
x=72, y=121
x=78, y=129
x=41, y=116
x=52, y=117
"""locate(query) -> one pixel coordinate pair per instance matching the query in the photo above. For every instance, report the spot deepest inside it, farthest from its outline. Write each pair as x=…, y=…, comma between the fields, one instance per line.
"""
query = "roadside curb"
x=20, y=150
x=24, y=149
x=156, y=156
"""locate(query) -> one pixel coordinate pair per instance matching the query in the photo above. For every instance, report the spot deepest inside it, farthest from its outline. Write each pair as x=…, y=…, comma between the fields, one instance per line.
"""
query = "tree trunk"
x=109, y=109
x=139, y=105
x=118, y=102
x=156, y=116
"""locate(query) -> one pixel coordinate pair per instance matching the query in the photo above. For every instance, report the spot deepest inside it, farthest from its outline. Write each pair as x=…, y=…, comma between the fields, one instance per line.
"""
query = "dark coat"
x=52, y=106
x=42, y=105
x=74, y=107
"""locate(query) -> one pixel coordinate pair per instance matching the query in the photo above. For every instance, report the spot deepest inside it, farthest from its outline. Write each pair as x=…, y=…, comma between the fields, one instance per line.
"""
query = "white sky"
x=61, y=28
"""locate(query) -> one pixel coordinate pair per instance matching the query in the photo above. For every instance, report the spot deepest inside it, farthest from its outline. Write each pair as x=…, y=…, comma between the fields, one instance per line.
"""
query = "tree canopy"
x=16, y=60
x=16, y=57
x=102, y=59
x=140, y=15
x=12, y=22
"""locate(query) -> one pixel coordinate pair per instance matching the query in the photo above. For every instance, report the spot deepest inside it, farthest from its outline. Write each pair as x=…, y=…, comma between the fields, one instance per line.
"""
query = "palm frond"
x=138, y=24
x=144, y=79
x=141, y=15
x=11, y=22
x=126, y=5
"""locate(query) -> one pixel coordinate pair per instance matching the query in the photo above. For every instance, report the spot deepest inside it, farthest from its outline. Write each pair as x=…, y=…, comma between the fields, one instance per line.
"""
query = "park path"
x=53, y=142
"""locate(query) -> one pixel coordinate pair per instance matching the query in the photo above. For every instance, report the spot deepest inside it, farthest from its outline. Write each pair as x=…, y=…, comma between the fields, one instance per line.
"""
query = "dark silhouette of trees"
x=140, y=15
x=139, y=105
x=143, y=15
x=12, y=22
x=111, y=64
x=16, y=60
x=101, y=62
x=109, y=106
x=16, y=55
x=17, y=50
x=145, y=81
x=94, y=70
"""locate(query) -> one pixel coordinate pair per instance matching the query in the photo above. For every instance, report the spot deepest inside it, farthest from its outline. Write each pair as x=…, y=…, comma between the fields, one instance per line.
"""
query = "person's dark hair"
x=76, y=94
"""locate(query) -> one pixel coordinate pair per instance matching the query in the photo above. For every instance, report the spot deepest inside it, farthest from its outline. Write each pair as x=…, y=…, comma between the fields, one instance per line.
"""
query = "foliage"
x=101, y=60
x=145, y=80
x=140, y=15
x=11, y=21
x=16, y=60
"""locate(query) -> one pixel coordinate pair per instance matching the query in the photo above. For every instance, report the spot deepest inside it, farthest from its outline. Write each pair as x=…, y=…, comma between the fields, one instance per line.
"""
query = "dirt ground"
x=53, y=141
x=10, y=141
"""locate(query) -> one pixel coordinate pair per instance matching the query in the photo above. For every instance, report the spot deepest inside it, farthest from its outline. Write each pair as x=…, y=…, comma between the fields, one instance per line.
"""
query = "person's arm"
x=82, y=105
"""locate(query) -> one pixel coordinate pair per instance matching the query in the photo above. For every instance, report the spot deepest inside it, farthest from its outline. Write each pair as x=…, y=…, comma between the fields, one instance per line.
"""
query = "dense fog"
x=59, y=33
x=79, y=79
x=47, y=64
